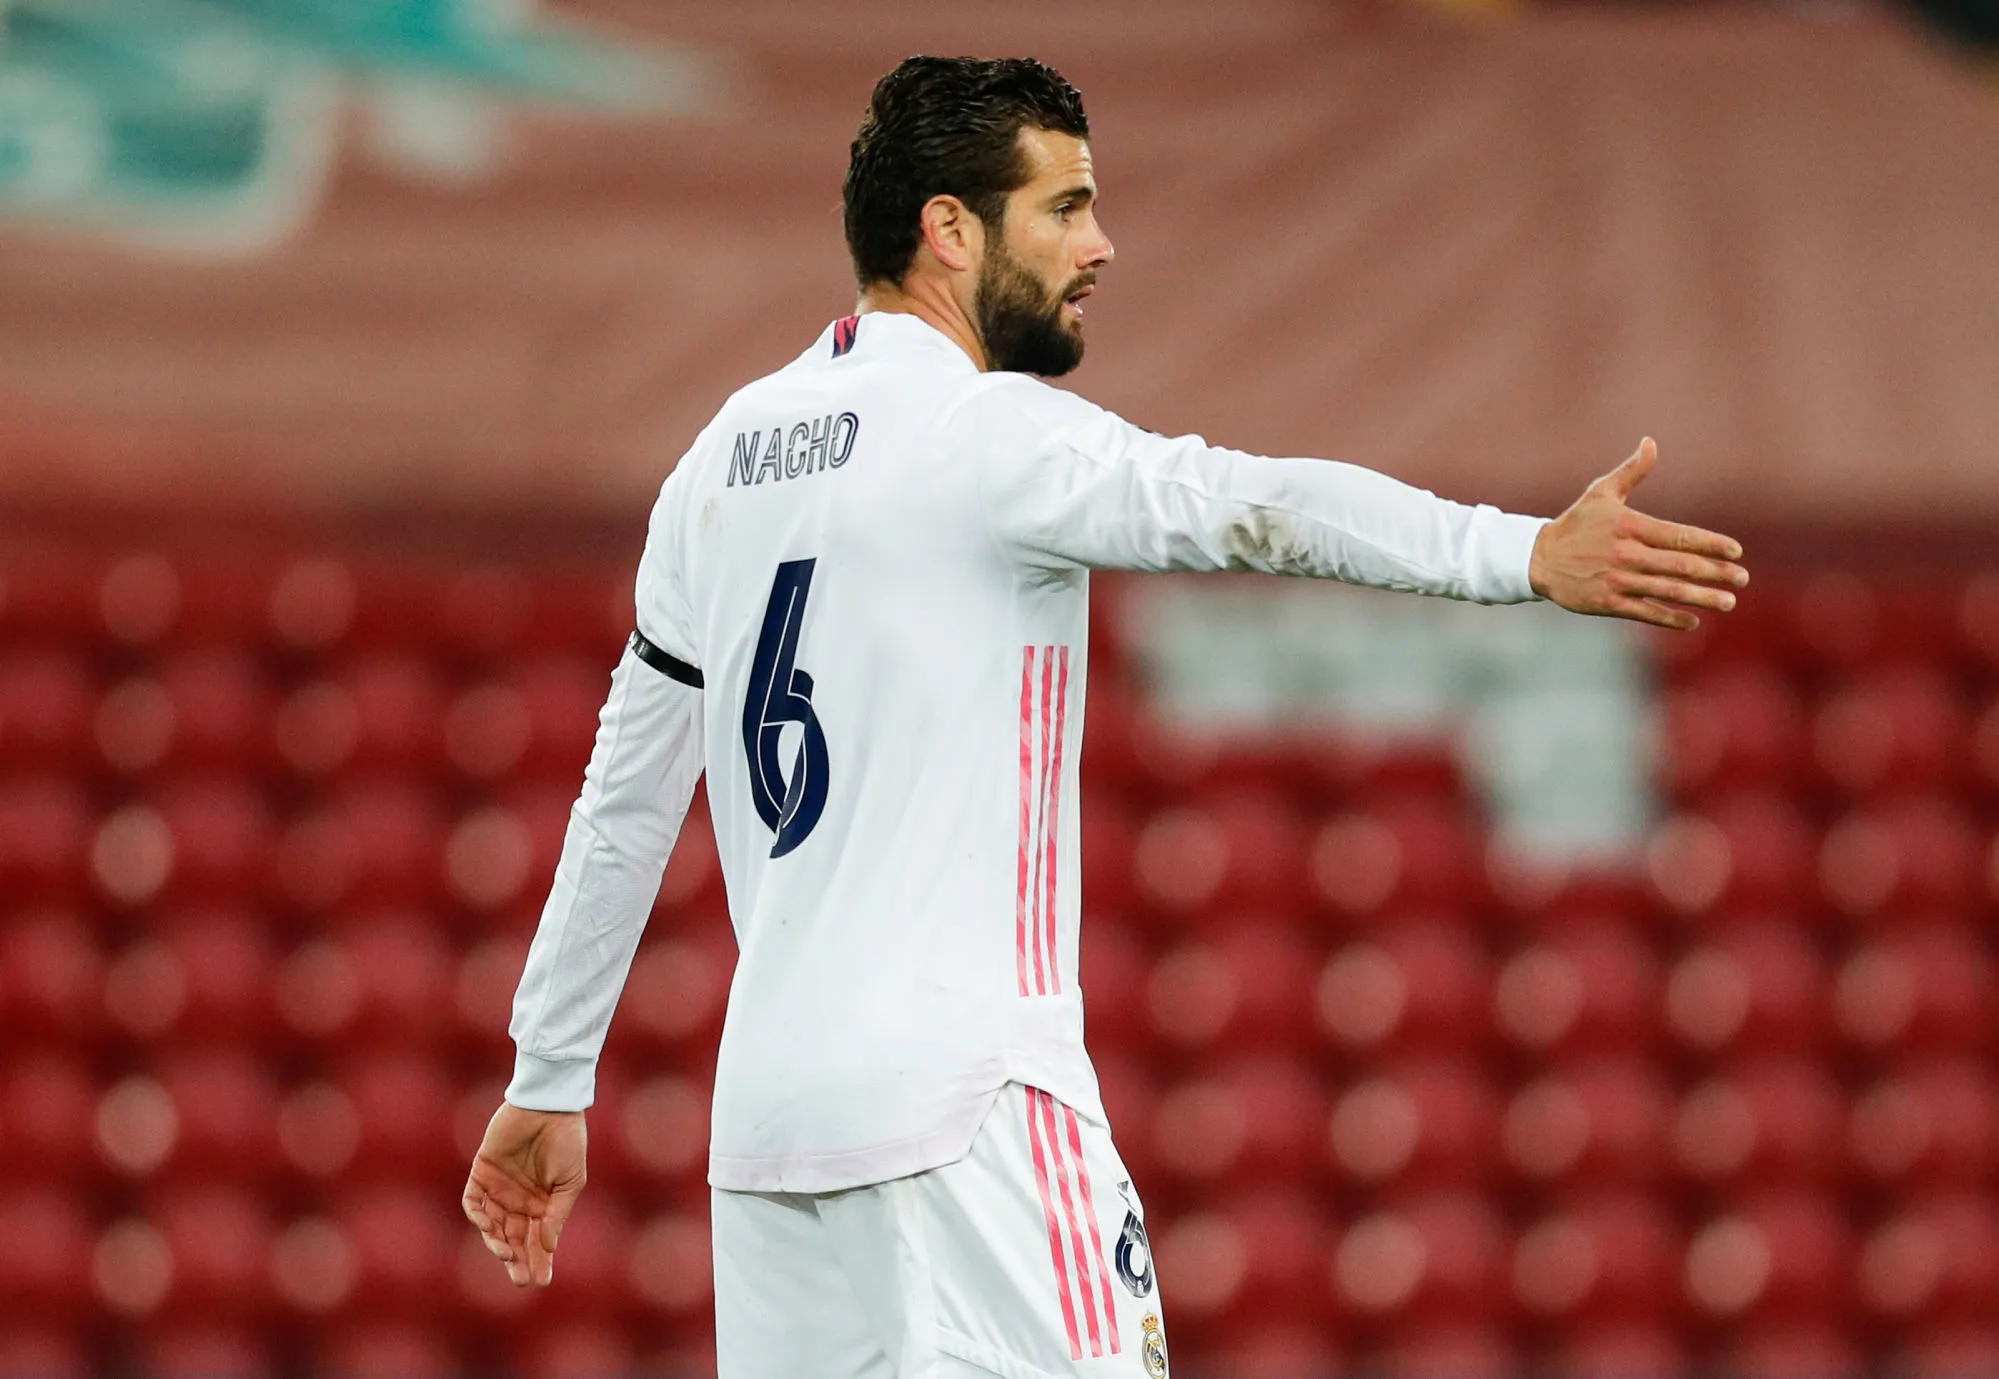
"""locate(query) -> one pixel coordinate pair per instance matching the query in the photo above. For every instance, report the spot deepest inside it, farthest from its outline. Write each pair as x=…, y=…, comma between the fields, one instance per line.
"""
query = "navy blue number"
x=780, y=694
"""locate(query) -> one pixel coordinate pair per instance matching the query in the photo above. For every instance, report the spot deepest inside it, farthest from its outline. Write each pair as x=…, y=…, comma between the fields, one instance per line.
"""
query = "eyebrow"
x=1080, y=194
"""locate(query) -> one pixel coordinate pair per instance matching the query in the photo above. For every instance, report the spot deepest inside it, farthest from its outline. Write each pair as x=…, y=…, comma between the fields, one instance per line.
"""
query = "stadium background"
x=342, y=348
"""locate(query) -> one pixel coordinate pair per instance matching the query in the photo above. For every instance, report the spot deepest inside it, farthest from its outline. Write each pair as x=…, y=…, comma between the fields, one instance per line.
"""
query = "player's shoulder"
x=1012, y=408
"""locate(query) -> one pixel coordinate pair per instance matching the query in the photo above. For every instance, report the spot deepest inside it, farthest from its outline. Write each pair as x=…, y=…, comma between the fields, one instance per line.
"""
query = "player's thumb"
x=1627, y=476
x=552, y=1222
x=560, y=1203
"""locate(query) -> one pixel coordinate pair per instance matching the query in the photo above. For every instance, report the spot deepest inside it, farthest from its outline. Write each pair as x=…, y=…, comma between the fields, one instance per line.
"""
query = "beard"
x=1021, y=323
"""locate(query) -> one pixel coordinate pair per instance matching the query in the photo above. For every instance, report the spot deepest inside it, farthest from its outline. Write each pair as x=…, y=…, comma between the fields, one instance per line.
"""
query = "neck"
x=933, y=303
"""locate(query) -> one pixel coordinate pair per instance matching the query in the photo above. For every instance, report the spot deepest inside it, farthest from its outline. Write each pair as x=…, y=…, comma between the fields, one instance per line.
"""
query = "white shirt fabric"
x=891, y=731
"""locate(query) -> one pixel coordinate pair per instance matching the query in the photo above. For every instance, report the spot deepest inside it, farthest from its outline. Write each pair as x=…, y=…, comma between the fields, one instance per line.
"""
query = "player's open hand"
x=525, y=1179
x=1604, y=557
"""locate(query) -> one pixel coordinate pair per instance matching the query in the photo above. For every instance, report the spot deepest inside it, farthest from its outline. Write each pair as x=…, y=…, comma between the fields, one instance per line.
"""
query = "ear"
x=953, y=235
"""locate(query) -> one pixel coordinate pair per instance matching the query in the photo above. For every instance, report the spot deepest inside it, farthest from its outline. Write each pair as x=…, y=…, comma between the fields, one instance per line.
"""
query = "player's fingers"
x=1677, y=536
x=1679, y=565
x=518, y=1229
x=1666, y=590
x=1657, y=614
x=540, y=1259
x=1627, y=476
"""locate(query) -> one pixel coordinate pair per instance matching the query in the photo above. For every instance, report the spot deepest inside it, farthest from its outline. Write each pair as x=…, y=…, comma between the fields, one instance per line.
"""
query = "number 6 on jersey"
x=780, y=694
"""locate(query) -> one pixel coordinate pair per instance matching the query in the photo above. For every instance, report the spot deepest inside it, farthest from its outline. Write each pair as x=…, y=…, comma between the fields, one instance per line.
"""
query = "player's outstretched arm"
x=525, y=1180
x=1605, y=557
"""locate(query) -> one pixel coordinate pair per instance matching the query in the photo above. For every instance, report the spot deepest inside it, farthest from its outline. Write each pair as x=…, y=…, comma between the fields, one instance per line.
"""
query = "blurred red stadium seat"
x=1737, y=724
x=1596, y=988
x=183, y=1351
x=1406, y=853
x=396, y=1350
x=1773, y=1120
x=374, y=843
x=1427, y=1121
x=1131, y=1093
x=48, y=703
x=401, y=971
x=48, y=1103
x=33, y=1348
x=47, y=596
x=52, y=970
x=658, y=1128
x=1929, y=988
x=46, y=837
x=1760, y=986
x=1243, y=850
x=1256, y=1350
x=670, y=1266
x=1905, y=856
x=1788, y=1349
x=220, y=1241
x=1934, y=1121
x=1256, y=1118
x=1605, y=1120
x=404, y=1107
x=1837, y=620
x=481, y=612
x=1783, y=1253
x=1938, y=1257
x=1255, y=1257
x=1423, y=986
x=483, y=995
x=1112, y=967
x=201, y=975
x=225, y=1105
x=1955, y=1352
x=220, y=706
x=1752, y=850
x=1109, y=840
x=1589, y=1350
x=1247, y=985
x=404, y=1243
x=1614, y=1256
x=1451, y=1352
x=585, y=609
x=578, y=1350
x=45, y=1274
x=310, y=607
x=1898, y=729
x=1435, y=1259
x=675, y=997
x=562, y=696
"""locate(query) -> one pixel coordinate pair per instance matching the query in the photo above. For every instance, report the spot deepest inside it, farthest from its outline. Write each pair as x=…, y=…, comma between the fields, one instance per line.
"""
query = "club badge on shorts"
x=1153, y=1347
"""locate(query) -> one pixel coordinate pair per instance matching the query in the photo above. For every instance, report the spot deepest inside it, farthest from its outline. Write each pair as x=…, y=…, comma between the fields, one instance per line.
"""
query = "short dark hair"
x=945, y=126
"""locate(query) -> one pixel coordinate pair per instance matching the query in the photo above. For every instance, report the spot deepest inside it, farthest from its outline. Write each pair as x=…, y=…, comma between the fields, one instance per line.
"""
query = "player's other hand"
x=525, y=1179
x=1604, y=557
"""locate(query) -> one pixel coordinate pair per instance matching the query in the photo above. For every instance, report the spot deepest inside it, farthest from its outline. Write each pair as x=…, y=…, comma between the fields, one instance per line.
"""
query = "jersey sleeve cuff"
x=548, y=1084
x=1506, y=551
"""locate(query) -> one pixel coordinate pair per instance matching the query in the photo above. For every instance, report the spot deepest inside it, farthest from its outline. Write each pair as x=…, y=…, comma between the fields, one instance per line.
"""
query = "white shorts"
x=1027, y=1258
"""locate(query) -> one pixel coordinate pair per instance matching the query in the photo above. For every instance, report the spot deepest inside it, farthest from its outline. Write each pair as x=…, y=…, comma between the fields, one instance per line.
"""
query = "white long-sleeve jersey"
x=863, y=610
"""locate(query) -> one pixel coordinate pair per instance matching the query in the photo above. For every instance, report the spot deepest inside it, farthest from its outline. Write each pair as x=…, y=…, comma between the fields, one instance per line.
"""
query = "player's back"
x=892, y=710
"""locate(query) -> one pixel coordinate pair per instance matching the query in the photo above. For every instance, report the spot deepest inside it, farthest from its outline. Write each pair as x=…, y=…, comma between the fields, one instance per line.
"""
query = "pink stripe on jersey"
x=1054, y=1229
x=1054, y=792
x=1075, y=1232
x=1043, y=921
x=1090, y=1215
x=1026, y=836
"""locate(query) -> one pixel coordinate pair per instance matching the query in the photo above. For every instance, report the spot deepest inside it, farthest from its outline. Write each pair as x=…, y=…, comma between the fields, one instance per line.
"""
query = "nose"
x=1102, y=251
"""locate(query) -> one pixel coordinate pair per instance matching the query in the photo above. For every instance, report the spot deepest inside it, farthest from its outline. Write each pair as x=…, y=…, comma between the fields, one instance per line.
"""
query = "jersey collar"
x=876, y=333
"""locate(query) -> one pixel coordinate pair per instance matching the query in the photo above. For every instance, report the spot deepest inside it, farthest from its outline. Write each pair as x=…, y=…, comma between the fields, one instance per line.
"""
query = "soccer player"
x=862, y=611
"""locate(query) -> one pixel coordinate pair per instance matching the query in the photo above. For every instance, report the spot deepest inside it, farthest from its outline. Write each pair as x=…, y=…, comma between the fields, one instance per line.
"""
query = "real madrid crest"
x=1153, y=1347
